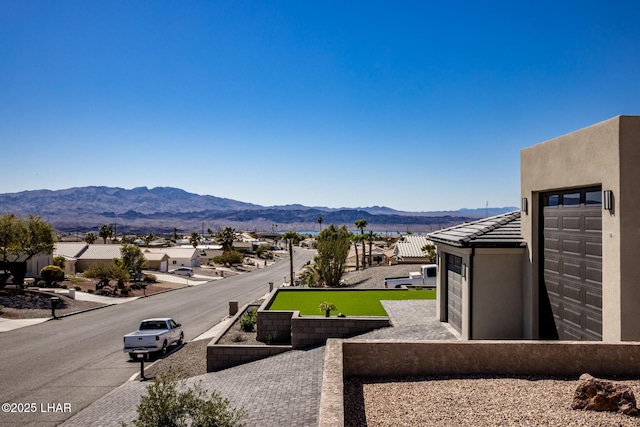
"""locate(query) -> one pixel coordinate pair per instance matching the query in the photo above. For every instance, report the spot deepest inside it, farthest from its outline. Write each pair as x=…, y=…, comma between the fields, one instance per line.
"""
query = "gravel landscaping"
x=471, y=402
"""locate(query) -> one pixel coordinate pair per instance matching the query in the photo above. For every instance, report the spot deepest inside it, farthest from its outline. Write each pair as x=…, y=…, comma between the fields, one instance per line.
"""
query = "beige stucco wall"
x=497, y=293
x=604, y=154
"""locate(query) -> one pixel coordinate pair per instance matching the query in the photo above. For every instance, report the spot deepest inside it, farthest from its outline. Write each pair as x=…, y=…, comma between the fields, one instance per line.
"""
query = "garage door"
x=454, y=291
x=571, y=245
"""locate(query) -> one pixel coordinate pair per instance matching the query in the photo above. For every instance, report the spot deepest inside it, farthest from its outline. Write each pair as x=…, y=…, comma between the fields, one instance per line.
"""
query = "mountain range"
x=161, y=209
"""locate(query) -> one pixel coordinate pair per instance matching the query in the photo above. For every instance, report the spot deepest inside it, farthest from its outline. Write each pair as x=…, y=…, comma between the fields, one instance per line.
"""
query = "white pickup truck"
x=153, y=335
x=425, y=278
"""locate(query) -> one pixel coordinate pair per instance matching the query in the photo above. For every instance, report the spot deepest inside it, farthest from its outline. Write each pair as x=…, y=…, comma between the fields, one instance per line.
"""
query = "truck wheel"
x=164, y=348
x=181, y=340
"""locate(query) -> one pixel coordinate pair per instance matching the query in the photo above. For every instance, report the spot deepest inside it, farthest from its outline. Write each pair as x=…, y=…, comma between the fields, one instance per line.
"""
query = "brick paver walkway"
x=282, y=390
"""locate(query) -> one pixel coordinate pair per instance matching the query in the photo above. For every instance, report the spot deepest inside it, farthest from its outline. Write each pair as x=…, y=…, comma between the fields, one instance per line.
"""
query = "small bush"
x=1, y=308
x=125, y=291
x=90, y=291
x=150, y=278
x=77, y=288
x=136, y=286
x=236, y=338
x=166, y=405
x=248, y=321
x=51, y=274
x=41, y=283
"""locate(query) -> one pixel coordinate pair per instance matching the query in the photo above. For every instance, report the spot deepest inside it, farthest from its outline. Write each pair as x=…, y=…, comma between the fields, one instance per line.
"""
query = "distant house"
x=178, y=256
x=156, y=260
x=97, y=255
x=408, y=249
x=71, y=251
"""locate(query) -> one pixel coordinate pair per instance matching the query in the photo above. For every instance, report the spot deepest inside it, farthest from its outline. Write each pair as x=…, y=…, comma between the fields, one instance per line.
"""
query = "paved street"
x=79, y=359
x=282, y=390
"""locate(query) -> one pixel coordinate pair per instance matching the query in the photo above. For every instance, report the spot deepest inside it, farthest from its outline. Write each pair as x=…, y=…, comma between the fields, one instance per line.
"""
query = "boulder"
x=601, y=395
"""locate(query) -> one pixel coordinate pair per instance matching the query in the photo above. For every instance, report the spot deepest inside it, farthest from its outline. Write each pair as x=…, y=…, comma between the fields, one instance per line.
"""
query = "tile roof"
x=410, y=246
x=102, y=252
x=496, y=231
x=69, y=249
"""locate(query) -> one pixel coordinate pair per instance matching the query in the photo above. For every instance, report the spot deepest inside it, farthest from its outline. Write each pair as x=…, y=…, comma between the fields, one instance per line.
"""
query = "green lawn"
x=350, y=303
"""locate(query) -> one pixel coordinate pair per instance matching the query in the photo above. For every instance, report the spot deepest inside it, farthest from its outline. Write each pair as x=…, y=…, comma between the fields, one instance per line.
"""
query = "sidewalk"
x=282, y=390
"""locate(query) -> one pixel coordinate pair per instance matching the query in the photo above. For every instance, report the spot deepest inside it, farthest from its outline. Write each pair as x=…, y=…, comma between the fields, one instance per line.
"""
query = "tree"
x=148, y=239
x=429, y=251
x=333, y=248
x=90, y=237
x=356, y=239
x=362, y=224
x=105, y=231
x=168, y=404
x=22, y=239
x=132, y=259
x=370, y=238
x=320, y=221
x=226, y=238
x=291, y=237
x=106, y=273
x=51, y=274
x=194, y=239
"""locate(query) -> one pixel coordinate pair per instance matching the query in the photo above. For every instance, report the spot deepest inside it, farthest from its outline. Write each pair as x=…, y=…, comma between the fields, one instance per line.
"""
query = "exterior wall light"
x=464, y=271
x=607, y=195
x=524, y=207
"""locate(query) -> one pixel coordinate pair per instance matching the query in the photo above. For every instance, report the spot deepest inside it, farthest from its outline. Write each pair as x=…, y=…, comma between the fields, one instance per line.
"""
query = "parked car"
x=425, y=278
x=183, y=271
x=153, y=335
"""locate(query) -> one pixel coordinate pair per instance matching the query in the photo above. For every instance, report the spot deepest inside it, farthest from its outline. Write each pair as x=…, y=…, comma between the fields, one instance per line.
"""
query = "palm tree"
x=320, y=220
x=292, y=237
x=226, y=238
x=105, y=231
x=370, y=238
x=90, y=238
x=194, y=238
x=356, y=239
x=361, y=224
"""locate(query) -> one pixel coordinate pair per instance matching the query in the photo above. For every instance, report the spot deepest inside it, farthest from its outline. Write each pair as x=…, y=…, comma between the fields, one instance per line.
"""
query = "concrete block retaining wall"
x=309, y=331
x=274, y=326
x=226, y=356
x=377, y=358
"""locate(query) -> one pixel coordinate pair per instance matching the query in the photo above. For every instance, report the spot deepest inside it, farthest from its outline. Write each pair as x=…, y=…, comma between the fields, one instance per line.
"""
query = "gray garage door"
x=454, y=291
x=572, y=265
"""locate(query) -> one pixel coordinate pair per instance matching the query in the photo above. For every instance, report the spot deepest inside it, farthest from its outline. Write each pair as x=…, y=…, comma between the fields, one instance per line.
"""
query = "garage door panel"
x=572, y=263
x=593, y=249
x=454, y=292
x=593, y=222
x=571, y=269
x=571, y=246
x=571, y=223
x=573, y=293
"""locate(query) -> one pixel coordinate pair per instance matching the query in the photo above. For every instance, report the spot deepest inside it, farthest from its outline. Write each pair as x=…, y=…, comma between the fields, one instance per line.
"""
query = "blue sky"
x=413, y=105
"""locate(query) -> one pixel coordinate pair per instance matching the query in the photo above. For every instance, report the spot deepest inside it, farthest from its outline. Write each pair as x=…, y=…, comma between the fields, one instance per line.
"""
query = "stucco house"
x=408, y=249
x=574, y=273
x=479, y=285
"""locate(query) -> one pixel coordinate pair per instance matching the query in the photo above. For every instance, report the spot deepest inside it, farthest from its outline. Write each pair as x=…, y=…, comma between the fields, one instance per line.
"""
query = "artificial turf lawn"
x=350, y=303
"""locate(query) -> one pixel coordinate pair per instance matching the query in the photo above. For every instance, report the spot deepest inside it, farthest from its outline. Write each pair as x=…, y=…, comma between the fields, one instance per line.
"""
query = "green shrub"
x=90, y=291
x=1, y=308
x=125, y=290
x=41, y=283
x=167, y=405
x=77, y=288
x=248, y=321
x=150, y=278
x=135, y=286
x=51, y=274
